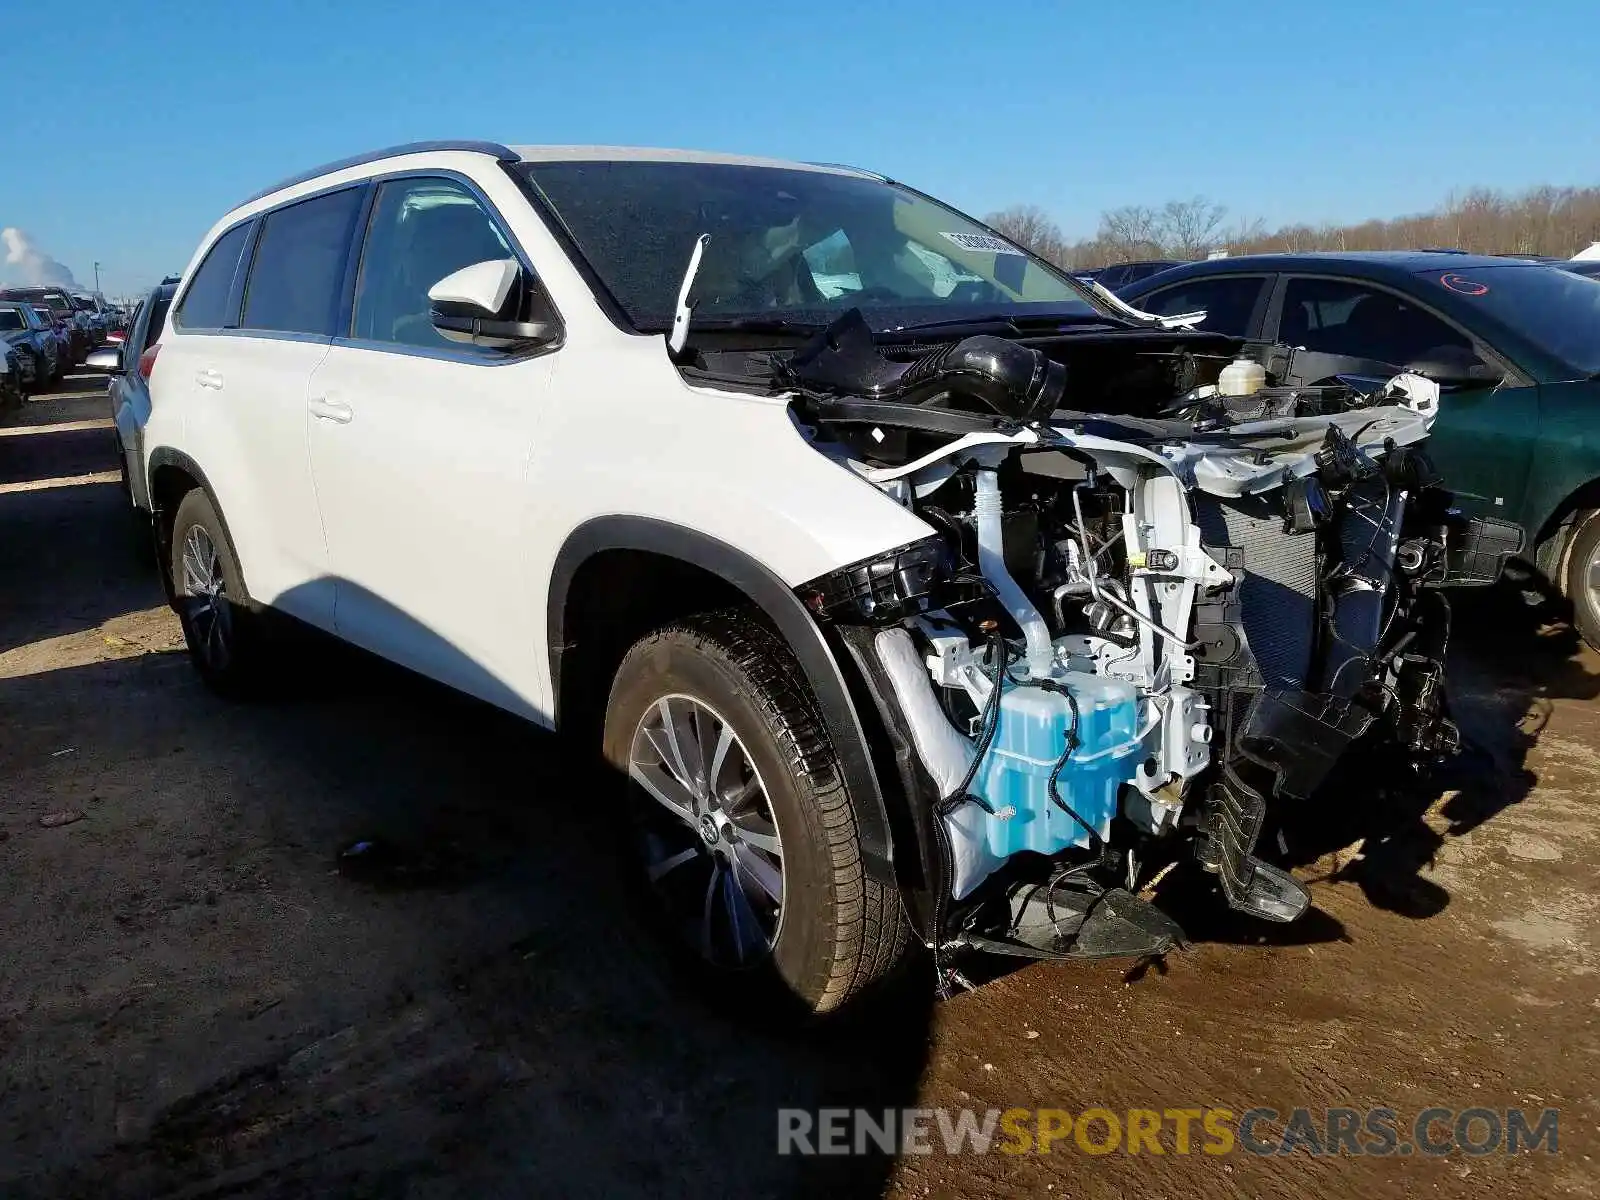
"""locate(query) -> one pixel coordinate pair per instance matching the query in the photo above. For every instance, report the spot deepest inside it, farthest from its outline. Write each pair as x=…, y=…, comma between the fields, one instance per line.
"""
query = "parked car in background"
x=92, y=312
x=11, y=389
x=1121, y=275
x=1514, y=346
x=128, y=389
x=34, y=341
x=70, y=325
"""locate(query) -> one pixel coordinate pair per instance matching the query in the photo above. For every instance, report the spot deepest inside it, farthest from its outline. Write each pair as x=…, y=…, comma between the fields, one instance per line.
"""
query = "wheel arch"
x=727, y=570
x=171, y=475
x=1548, y=544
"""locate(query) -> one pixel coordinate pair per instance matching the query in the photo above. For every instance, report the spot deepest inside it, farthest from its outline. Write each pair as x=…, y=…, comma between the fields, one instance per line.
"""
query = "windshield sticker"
x=983, y=242
x=1467, y=287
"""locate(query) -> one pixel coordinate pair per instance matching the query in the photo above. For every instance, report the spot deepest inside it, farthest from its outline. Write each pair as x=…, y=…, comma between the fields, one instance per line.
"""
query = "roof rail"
x=360, y=160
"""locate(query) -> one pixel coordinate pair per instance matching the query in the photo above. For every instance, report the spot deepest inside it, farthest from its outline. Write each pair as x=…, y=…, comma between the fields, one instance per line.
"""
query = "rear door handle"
x=209, y=379
x=330, y=410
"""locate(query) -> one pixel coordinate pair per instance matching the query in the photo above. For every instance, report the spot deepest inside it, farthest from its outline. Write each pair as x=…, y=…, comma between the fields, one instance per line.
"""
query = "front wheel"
x=744, y=834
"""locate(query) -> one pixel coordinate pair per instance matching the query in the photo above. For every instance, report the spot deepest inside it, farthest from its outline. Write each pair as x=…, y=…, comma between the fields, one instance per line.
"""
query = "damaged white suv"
x=917, y=593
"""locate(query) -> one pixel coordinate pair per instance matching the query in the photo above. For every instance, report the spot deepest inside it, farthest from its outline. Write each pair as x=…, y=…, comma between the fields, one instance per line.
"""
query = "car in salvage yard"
x=35, y=342
x=55, y=305
x=1515, y=346
x=942, y=604
x=128, y=388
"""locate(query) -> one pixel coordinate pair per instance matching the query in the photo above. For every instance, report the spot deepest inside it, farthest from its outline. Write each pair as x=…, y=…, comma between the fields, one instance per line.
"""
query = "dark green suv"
x=1514, y=345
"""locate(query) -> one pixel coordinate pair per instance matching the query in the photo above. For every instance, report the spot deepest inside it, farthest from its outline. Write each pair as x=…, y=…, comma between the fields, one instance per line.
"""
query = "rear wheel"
x=225, y=637
x=744, y=835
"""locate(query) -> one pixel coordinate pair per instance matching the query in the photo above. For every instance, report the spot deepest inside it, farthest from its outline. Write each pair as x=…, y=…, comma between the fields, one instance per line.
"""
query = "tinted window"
x=157, y=310
x=10, y=318
x=205, y=304
x=299, y=265
x=1359, y=321
x=1228, y=301
x=421, y=230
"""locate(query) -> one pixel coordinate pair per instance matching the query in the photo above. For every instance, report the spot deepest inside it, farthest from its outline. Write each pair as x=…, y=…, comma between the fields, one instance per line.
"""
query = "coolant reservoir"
x=1032, y=731
x=1242, y=377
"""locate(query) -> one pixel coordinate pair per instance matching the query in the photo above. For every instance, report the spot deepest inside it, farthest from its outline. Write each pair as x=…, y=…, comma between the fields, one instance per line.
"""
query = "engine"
x=1131, y=632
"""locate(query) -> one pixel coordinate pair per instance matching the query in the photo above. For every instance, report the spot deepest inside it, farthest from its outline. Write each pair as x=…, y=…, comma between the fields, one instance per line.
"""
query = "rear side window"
x=1228, y=302
x=299, y=265
x=205, y=304
x=157, y=310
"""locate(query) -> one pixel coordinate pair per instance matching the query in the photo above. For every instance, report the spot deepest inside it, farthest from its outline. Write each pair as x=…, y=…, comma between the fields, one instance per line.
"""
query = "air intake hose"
x=1014, y=381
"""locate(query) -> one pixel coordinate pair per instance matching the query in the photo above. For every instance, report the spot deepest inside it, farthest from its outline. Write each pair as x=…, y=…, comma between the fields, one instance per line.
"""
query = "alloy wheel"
x=204, y=598
x=711, y=845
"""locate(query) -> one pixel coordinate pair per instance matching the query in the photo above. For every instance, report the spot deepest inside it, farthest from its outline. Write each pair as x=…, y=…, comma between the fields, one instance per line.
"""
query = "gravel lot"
x=195, y=1002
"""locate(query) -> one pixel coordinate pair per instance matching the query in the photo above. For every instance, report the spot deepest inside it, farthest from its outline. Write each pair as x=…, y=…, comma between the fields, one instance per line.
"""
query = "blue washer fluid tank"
x=1027, y=744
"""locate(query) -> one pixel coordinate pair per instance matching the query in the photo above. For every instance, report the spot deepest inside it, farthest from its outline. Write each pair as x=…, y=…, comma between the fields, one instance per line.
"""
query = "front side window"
x=1357, y=320
x=299, y=262
x=790, y=244
x=205, y=304
x=1228, y=301
x=11, y=319
x=421, y=230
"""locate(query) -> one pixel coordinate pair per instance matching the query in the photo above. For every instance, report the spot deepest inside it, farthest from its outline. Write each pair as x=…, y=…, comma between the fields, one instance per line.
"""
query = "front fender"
x=767, y=592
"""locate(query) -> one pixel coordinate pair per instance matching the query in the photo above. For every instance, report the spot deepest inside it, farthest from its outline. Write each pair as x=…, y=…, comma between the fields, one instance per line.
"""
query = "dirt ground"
x=196, y=1002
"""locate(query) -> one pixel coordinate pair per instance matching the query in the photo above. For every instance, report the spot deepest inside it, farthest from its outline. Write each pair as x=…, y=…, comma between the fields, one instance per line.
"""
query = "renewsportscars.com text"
x=1216, y=1131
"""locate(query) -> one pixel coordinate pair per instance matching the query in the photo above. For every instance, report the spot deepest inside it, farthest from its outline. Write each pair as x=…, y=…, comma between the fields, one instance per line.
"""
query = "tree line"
x=1546, y=220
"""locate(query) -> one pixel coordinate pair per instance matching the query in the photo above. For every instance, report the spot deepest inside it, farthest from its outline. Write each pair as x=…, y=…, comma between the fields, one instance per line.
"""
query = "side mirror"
x=106, y=358
x=482, y=305
x=1453, y=367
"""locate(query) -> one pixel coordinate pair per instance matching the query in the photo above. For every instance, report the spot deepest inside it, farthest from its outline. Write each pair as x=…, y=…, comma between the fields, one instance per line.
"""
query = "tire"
x=225, y=638
x=1580, y=577
x=833, y=933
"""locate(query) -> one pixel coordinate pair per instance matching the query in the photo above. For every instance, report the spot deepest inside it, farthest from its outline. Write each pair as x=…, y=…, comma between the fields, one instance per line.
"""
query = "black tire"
x=1582, y=551
x=838, y=933
x=225, y=637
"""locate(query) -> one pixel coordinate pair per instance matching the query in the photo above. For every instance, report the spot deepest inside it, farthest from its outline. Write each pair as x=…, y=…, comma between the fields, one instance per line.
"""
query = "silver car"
x=129, y=388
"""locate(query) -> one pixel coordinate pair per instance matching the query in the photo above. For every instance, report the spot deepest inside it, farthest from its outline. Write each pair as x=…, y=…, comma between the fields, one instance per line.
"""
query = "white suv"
x=759, y=471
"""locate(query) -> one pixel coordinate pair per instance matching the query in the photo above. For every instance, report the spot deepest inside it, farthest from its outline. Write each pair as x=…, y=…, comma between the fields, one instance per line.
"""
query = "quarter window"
x=205, y=304
x=421, y=231
x=1228, y=302
x=1355, y=320
x=299, y=265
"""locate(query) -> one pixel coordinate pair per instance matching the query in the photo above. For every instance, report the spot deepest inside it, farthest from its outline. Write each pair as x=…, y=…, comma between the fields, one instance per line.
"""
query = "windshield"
x=1555, y=310
x=790, y=244
x=11, y=319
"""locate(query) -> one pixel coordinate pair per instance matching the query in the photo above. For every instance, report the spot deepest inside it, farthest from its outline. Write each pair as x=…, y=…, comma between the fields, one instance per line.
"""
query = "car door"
x=1484, y=437
x=1233, y=304
x=420, y=448
x=247, y=379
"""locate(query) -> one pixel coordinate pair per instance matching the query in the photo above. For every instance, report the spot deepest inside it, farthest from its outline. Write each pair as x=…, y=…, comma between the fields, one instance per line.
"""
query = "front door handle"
x=330, y=410
x=209, y=379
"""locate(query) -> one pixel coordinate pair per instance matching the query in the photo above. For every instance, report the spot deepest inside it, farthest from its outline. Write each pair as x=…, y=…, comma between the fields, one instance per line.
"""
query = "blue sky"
x=146, y=122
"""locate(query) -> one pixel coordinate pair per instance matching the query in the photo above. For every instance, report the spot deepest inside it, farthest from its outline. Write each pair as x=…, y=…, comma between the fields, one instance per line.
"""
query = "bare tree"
x=1190, y=228
x=1029, y=227
x=1131, y=232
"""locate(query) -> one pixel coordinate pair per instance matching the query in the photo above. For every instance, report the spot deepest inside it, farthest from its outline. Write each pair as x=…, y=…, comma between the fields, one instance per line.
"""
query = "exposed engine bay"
x=1134, y=629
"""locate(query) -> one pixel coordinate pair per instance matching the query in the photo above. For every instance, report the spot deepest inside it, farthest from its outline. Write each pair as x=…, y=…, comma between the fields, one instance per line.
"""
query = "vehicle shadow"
x=1509, y=659
x=478, y=1012
x=71, y=555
